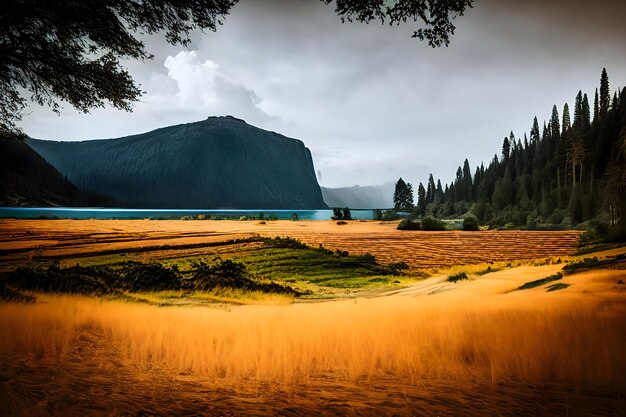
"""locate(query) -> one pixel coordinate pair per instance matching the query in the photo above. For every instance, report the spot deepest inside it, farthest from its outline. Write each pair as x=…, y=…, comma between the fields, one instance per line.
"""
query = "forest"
x=568, y=172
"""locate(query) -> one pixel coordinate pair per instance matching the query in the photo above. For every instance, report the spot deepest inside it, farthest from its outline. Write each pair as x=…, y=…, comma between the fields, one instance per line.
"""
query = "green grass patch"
x=540, y=282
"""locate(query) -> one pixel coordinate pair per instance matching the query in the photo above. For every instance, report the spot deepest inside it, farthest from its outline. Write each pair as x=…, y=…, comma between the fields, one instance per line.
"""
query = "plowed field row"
x=24, y=240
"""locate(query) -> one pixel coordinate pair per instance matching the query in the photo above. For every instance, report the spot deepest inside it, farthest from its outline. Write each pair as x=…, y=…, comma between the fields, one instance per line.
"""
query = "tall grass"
x=407, y=338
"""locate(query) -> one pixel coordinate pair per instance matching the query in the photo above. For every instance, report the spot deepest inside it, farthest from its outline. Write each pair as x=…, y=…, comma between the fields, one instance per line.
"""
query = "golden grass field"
x=433, y=348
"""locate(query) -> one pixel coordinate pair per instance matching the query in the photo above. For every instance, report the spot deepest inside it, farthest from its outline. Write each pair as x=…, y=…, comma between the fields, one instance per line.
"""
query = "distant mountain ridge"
x=220, y=162
x=358, y=197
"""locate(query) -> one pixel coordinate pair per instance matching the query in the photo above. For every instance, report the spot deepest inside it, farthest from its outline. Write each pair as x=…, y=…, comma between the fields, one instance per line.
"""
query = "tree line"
x=566, y=172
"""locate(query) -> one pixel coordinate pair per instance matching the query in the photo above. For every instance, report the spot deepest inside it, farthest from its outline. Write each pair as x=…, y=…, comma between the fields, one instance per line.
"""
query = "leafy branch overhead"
x=70, y=50
x=435, y=15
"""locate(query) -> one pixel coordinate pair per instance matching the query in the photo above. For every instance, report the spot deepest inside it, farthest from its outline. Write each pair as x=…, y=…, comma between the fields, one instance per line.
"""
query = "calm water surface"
x=123, y=213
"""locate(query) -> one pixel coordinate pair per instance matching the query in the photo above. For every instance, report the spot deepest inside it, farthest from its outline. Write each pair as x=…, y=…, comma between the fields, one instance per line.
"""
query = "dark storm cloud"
x=370, y=102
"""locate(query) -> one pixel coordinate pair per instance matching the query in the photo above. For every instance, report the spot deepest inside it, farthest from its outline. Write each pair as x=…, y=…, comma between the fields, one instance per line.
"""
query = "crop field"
x=74, y=240
x=501, y=327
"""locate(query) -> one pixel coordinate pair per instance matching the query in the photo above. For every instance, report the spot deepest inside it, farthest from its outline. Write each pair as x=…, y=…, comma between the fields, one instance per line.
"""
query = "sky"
x=370, y=102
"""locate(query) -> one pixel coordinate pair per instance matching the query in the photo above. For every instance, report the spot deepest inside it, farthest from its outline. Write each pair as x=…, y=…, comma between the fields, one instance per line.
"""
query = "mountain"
x=220, y=162
x=26, y=179
x=373, y=196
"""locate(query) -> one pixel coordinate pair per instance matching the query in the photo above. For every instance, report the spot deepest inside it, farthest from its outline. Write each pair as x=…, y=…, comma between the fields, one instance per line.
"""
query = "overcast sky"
x=371, y=103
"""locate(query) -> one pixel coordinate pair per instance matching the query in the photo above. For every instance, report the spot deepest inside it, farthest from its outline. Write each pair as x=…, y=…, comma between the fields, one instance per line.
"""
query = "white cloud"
x=201, y=89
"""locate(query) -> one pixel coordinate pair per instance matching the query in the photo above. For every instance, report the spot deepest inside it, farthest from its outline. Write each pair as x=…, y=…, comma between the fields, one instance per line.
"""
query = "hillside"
x=357, y=197
x=26, y=179
x=220, y=162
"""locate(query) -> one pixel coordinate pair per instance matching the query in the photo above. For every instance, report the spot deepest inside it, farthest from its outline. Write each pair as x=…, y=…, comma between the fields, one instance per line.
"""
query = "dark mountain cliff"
x=221, y=162
x=26, y=179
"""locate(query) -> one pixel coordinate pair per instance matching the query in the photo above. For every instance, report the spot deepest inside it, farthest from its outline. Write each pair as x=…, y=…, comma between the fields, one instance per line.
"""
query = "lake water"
x=122, y=213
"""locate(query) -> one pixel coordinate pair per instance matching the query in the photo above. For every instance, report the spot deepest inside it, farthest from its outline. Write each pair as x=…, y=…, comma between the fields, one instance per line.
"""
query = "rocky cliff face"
x=26, y=179
x=221, y=162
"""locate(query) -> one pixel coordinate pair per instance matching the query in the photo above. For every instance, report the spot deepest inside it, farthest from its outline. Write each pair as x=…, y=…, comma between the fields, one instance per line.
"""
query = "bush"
x=230, y=274
x=284, y=242
x=539, y=282
x=139, y=277
x=430, y=223
x=458, y=277
x=470, y=223
x=408, y=224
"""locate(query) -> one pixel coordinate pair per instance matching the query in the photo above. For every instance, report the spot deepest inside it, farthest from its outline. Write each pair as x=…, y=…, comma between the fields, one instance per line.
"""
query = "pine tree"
x=595, y=106
x=421, y=200
x=566, y=119
x=430, y=190
x=578, y=110
x=605, y=94
x=554, y=124
x=467, y=181
x=534, y=131
x=403, y=196
x=439, y=194
x=506, y=150
x=586, y=113
x=458, y=185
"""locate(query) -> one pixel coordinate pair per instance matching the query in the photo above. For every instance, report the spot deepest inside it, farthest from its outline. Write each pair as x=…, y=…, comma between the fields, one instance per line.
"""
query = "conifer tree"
x=534, y=131
x=458, y=185
x=566, y=119
x=506, y=150
x=430, y=190
x=403, y=196
x=439, y=194
x=421, y=199
x=605, y=94
x=595, y=106
x=578, y=110
x=555, y=127
x=586, y=114
x=467, y=181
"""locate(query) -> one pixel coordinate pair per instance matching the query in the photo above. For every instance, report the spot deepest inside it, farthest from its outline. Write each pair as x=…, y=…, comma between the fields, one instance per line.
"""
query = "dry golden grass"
x=550, y=344
x=436, y=348
x=475, y=331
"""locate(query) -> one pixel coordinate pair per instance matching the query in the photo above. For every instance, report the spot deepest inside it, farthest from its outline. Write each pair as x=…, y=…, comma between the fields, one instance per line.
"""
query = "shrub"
x=398, y=266
x=408, y=224
x=539, y=282
x=284, y=242
x=458, y=277
x=138, y=277
x=430, y=223
x=470, y=223
x=230, y=274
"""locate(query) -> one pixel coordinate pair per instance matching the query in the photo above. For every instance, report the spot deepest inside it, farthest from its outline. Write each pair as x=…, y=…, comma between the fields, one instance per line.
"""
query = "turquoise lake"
x=165, y=214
